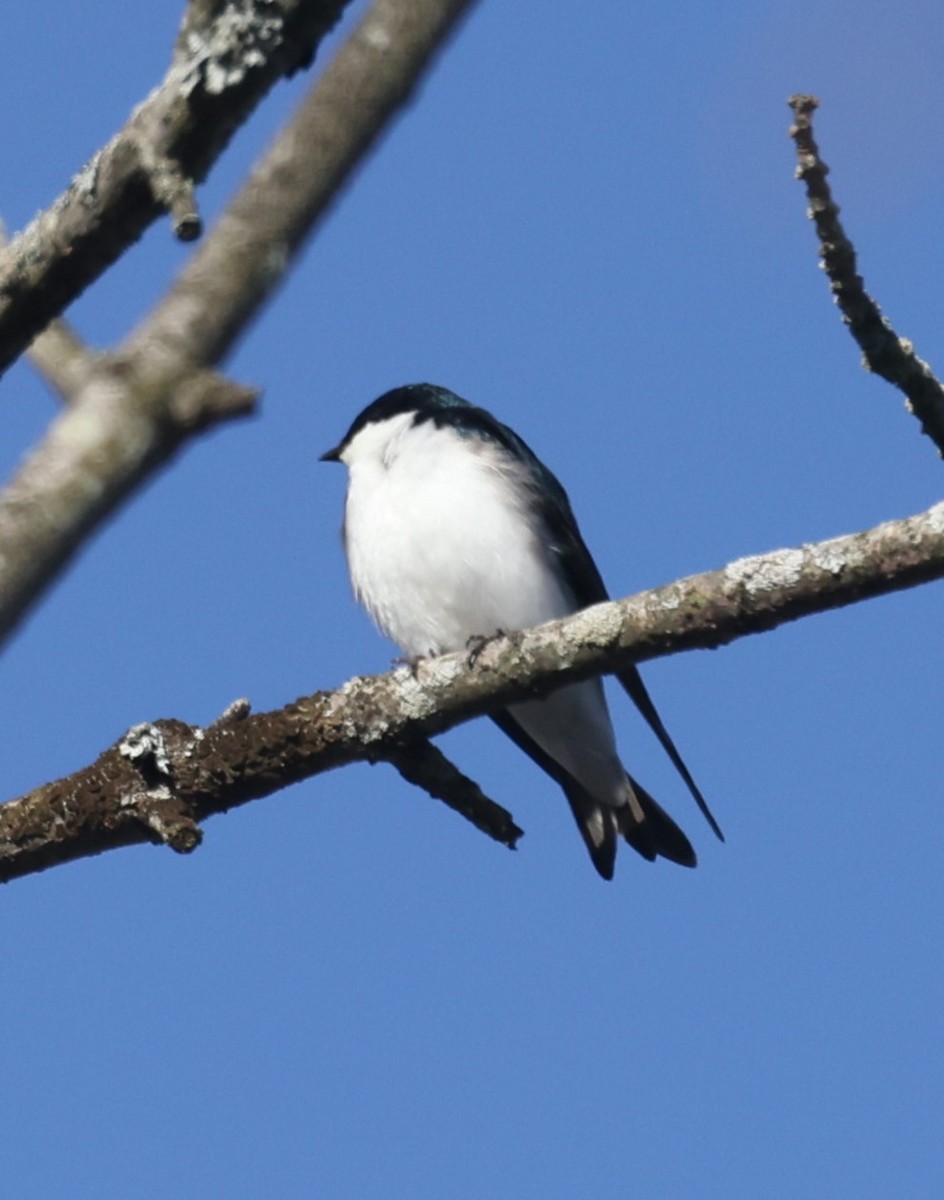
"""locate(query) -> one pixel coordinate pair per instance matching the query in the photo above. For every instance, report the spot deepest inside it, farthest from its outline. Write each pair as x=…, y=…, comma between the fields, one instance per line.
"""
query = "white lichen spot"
x=146, y=799
x=239, y=40
x=671, y=599
x=766, y=573
x=829, y=556
x=145, y=740
x=219, y=75
x=414, y=699
x=600, y=623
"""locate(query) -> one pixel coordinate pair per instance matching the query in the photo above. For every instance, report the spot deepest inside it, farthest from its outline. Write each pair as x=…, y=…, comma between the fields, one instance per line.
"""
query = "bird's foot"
x=477, y=643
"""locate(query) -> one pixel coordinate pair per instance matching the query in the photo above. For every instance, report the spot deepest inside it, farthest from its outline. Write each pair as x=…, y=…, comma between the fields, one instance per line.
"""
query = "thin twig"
x=63, y=359
x=883, y=351
x=425, y=766
x=59, y=354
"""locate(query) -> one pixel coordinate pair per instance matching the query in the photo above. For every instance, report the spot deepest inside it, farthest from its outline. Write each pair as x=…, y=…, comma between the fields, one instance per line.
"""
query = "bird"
x=454, y=532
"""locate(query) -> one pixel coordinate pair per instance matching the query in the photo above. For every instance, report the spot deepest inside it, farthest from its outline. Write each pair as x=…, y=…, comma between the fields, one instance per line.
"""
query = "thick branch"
x=883, y=351
x=221, y=70
x=162, y=780
x=143, y=402
x=293, y=185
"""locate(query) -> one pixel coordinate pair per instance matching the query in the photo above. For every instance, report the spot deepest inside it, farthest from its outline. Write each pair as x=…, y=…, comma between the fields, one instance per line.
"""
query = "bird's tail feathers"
x=598, y=827
x=642, y=822
x=651, y=831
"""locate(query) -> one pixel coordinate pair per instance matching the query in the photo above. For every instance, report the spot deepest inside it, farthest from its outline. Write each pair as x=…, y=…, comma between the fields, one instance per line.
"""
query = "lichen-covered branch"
x=143, y=401
x=163, y=779
x=222, y=67
x=883, y=351
x=297, y=179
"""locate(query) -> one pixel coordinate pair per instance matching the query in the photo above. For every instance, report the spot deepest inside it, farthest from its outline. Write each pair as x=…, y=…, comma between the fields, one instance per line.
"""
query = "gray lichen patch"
x=240, y=40
x=769, y=573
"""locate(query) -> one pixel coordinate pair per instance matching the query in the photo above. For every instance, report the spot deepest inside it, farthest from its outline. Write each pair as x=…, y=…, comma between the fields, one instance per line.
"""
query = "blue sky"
x=591, y=227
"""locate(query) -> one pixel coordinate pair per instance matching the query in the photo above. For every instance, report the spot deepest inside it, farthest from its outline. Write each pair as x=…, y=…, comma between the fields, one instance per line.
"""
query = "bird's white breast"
x=441, y=544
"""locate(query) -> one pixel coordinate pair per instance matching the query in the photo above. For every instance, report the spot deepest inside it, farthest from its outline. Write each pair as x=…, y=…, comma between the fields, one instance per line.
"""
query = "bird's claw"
x=477, y=643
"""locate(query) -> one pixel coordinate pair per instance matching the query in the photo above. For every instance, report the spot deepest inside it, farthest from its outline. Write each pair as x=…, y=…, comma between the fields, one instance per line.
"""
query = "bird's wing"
x=565, y=543
x=634, y=687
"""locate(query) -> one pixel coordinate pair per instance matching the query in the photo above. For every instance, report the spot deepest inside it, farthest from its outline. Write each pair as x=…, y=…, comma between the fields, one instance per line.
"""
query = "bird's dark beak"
x=331, y=455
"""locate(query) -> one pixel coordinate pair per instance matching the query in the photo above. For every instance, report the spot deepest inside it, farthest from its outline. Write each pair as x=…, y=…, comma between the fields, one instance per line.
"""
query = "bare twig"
x=188, y=773
x=425, y=766
x=63, y=359
x=175, y=193
x=883, y=351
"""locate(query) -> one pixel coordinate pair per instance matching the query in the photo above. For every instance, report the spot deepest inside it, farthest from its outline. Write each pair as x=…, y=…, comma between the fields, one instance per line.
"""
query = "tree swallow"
x=455, y=531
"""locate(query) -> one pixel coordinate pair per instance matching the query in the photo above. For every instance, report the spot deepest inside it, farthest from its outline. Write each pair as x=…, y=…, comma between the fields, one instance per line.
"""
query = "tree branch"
x=883, y=351
x=223, y=66
x=425, y=766
x=144, y=400
x=63, y=359
x=295, y=182
x=162, y=780
x=124, y=422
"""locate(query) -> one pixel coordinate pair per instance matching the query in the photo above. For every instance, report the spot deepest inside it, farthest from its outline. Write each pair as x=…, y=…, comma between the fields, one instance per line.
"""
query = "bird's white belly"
x=441, y=550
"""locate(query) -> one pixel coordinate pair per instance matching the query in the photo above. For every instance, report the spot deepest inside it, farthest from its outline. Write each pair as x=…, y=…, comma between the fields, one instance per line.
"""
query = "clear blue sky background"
x=587, y=223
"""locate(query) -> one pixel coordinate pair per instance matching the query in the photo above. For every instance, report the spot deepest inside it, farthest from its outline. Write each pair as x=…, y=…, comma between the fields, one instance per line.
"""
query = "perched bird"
x=454, y=531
